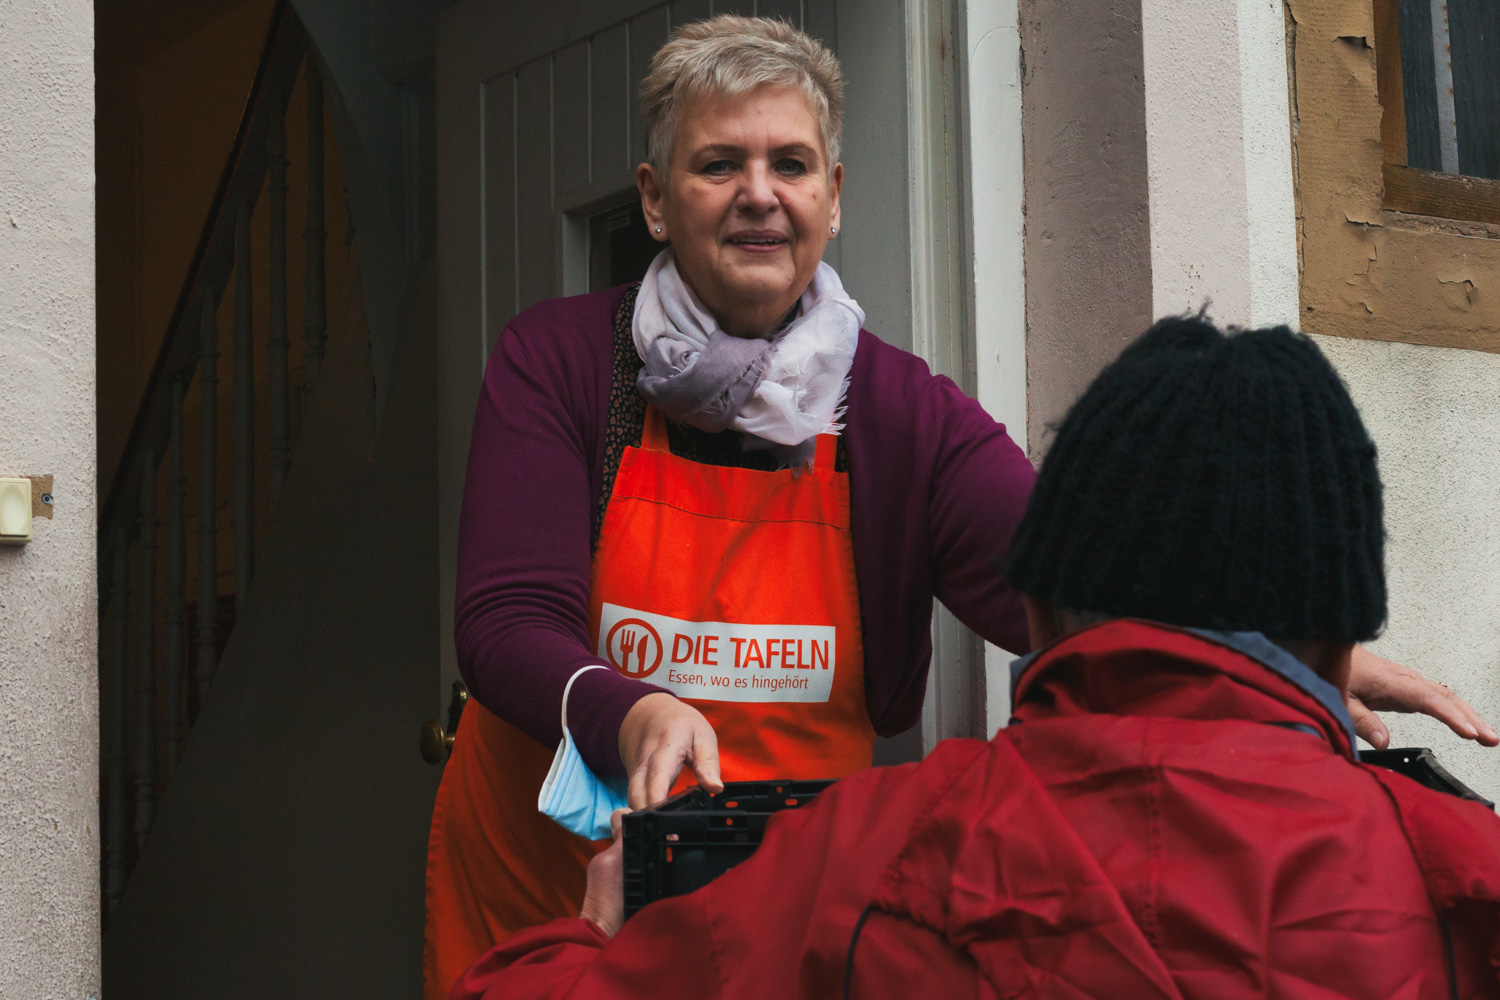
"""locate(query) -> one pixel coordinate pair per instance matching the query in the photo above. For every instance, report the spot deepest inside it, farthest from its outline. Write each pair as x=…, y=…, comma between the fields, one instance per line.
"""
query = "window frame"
x=1411, y=189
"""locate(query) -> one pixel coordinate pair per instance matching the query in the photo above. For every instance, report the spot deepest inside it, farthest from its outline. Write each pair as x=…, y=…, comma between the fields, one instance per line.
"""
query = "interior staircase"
x=268, y=568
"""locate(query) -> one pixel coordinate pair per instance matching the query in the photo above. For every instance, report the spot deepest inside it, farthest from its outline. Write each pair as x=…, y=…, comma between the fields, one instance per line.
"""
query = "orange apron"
x=732, y=588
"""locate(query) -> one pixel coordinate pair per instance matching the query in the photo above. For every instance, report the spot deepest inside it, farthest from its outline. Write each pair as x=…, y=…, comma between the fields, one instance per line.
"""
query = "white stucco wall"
x=49, y=916
x=1434, y=413
x=997, y=206
x=997, y=221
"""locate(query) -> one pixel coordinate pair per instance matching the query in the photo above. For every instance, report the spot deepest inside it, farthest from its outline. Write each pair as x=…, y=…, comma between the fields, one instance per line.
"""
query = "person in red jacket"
x=1177, y=808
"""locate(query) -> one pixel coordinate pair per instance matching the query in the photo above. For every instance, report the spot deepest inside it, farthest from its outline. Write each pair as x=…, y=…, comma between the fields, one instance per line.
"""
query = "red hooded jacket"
x=1171, y=814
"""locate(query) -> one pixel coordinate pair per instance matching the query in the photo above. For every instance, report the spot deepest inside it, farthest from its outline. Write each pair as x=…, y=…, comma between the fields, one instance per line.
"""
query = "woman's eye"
x=791, y=167
x=718, y=167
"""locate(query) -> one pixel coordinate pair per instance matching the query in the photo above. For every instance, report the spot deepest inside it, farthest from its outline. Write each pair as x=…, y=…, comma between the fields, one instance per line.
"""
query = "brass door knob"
x=435, y=742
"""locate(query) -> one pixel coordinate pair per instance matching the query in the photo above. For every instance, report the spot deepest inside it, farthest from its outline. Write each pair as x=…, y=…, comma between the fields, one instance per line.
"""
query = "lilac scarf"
x=780, y=392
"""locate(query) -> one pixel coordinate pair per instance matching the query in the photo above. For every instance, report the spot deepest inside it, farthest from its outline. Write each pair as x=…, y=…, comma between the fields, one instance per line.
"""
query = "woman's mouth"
x=758, y=241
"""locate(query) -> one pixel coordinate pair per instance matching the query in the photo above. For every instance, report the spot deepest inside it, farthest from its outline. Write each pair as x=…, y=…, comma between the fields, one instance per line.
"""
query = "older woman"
x=705, y=517
x=715, y=486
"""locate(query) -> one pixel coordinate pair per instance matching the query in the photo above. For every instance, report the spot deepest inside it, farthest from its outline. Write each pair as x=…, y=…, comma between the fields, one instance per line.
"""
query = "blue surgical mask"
x=573, y=795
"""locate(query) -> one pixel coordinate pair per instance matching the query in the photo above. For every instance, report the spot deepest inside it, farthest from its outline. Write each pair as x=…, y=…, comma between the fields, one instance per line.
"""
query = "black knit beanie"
x=1213, y=480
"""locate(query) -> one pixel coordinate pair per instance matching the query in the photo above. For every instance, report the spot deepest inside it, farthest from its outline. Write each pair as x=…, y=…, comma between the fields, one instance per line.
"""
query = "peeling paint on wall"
x=1370, y=275
x=1368, y=272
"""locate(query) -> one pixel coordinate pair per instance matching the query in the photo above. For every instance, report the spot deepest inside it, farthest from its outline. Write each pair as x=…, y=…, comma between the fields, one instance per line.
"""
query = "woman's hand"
x=1378, y=685
x=659, y=735
x=604, y=899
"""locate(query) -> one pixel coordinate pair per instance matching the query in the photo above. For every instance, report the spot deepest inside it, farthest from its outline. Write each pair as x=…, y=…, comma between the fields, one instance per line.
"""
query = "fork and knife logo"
x=633, y=644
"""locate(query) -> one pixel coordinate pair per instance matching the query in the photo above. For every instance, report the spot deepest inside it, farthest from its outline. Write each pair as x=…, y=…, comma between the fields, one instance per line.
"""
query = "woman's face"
x=749, y=205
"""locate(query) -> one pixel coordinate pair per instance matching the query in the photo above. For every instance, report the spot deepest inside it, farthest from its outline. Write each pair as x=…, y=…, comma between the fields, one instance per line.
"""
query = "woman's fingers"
x=661, y=735
x=1381, y=685
x=1367, y=725
x=662, y=770
x=652, y=779
x=635, y=792
x=642, y=793
x=706, y=758
x=1487, y=734
x=1407, y=691
x=1444, y=704
x=654, y=725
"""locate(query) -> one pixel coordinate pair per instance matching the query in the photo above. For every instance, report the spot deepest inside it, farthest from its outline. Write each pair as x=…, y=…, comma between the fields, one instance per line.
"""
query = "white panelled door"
x=539, y=134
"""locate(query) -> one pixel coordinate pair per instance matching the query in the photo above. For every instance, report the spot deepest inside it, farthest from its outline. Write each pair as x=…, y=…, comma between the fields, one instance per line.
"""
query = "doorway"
x=620, y=248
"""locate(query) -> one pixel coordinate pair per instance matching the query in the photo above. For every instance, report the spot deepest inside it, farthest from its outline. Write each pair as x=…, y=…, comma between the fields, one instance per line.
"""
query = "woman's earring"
x=834, y=230
x=658, y=229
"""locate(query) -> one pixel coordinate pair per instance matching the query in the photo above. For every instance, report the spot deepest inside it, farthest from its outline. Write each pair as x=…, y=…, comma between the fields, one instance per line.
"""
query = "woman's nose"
x=759, y=192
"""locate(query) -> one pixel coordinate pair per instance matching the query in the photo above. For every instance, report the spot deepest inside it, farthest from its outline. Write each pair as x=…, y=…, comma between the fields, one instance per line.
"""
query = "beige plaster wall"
x=1434, y=413
x=1223, y=221
x=49, y=890
x=1368, y=272
x=1087, y=237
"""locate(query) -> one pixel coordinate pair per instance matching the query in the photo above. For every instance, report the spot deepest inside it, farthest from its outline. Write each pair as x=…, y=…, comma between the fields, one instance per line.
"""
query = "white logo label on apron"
x=720, y=661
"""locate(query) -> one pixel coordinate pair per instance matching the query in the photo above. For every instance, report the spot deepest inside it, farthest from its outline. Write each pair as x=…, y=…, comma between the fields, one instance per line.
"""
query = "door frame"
x=989, y=72
x=941, y=311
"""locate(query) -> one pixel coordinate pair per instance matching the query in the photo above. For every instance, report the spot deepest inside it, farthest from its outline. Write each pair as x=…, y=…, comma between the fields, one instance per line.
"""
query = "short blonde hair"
x=727, y=56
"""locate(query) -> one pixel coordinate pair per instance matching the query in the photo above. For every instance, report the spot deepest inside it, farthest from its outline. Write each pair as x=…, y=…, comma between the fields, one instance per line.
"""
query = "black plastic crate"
x=694, y=837
x=1421, y=765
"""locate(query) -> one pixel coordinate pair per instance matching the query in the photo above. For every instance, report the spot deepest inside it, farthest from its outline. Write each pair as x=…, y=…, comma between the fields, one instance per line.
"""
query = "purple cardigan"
x=937, y=488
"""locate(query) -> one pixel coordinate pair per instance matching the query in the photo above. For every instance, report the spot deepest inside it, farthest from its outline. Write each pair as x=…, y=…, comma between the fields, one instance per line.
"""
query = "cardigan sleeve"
x=981, y=482
x=521, y=600
x=663, y=953
x=936, y=490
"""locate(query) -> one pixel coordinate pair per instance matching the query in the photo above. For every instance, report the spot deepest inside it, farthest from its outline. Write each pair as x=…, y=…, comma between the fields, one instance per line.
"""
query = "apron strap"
x=654, y=433
x=825, y=453
x=654, y=438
